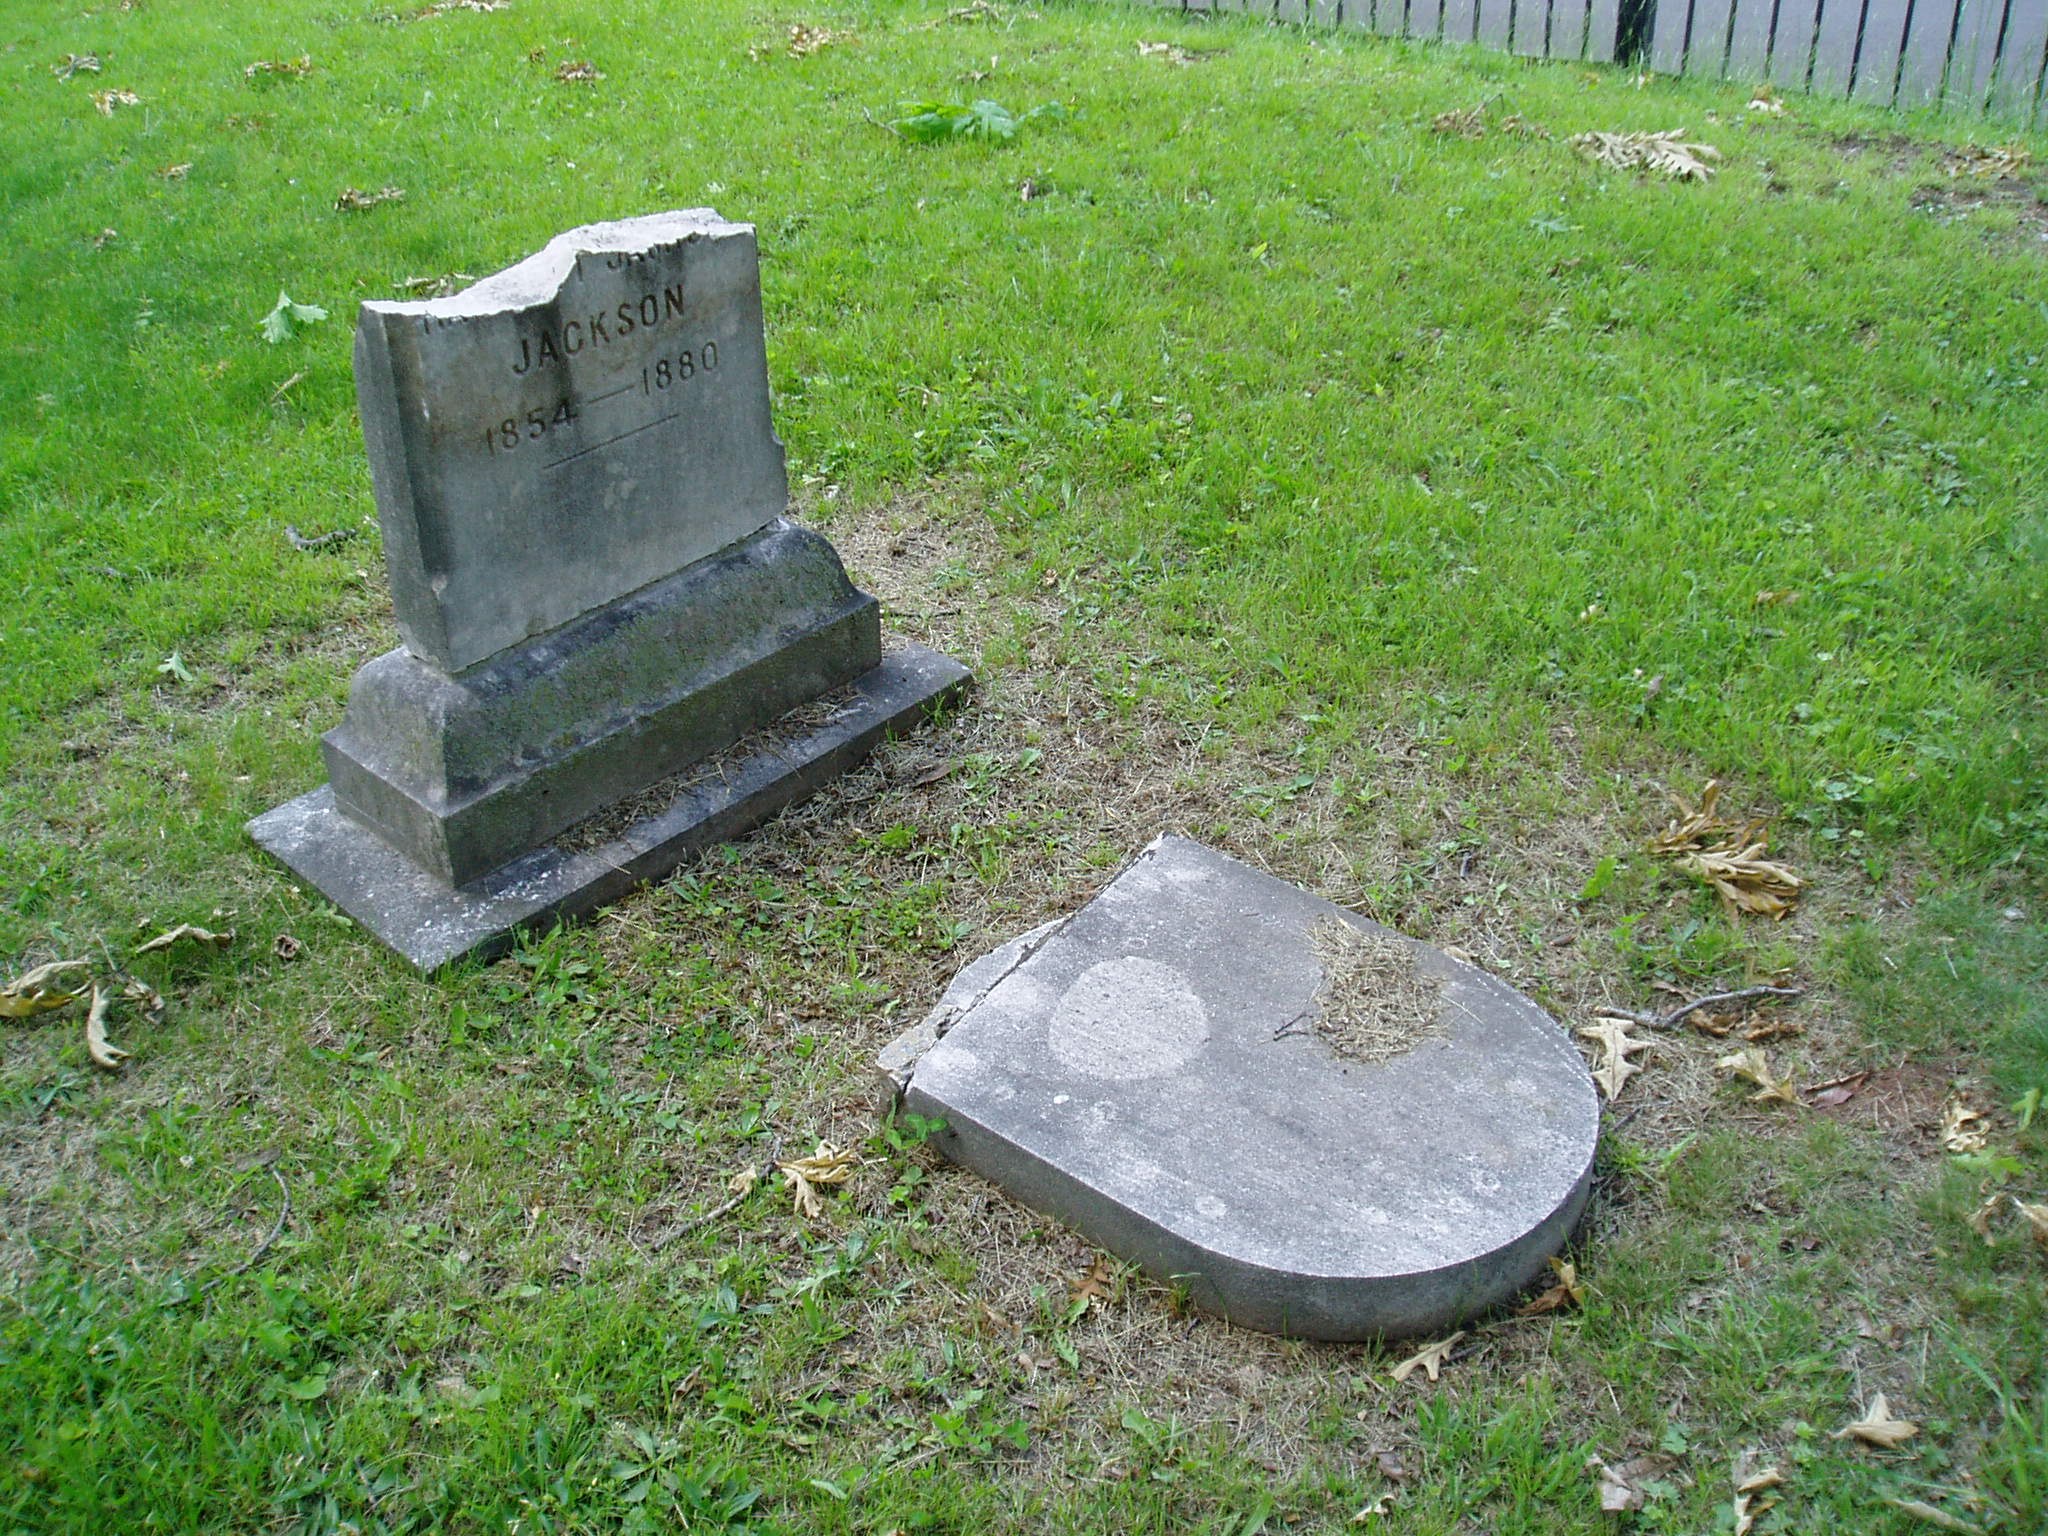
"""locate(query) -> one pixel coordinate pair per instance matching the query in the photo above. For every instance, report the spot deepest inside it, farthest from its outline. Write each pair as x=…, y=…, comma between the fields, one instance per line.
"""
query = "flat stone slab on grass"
x=1318, y=1126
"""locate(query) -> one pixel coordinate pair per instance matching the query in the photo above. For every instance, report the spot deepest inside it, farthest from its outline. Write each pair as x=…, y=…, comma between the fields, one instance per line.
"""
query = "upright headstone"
x=1315, y=1125
x=581, y=496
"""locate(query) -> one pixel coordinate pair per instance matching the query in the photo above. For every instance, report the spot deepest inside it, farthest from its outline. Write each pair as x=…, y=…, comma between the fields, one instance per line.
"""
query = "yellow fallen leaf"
x=1745, y=880
x=1430, y=1360
x=2037, y=1221
x=106, y=101
x=1696, y=826
x=190, y=931
x=1963, y=1128
x=1920, y=1509
x=744, y=1180
x=37, y=991
x=1568, y=1291
x=1667, y=153
x=1979, y=1220
x=1756, y=1482
x=1877, y=1426
x=96, y=1046
x=1614, y=1041
x=144, y=996
x=1755, y=1065
x=827, y=1165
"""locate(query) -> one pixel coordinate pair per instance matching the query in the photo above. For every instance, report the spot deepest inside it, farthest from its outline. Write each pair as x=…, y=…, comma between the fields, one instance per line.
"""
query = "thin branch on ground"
x=284, y=1215
x=762, y=1175
x=1678, y=1015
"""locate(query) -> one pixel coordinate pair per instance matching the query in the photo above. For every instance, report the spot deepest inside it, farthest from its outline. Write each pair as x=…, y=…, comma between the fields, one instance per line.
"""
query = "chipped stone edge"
x=897, y=1061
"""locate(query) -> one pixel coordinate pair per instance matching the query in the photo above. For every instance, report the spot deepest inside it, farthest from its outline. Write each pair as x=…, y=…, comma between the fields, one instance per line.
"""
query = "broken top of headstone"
x=568, y=430
x=581, y=495
x=1318, y=1126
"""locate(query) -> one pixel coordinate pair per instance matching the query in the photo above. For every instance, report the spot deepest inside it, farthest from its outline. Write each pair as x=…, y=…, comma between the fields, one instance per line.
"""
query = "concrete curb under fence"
x=1984, y=56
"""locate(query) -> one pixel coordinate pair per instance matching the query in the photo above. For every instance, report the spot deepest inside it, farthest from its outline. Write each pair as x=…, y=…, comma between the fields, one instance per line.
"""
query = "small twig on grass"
x=717, y=1212
x=284, y=1215
x=300, y=541
x=1678, y=1015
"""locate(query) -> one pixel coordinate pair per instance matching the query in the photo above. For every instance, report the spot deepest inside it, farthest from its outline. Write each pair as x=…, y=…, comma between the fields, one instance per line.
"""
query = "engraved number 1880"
x=685, y=365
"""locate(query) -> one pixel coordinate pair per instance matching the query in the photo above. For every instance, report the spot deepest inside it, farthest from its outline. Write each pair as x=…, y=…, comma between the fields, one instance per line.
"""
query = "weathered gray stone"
x=581, y=495
x=568, y=430
x=463, y=773
x=429, y=922
x=1152, y=1070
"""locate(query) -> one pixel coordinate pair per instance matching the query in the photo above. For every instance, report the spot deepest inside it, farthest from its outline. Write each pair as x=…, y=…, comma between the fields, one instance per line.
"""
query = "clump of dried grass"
x=1373, y=1004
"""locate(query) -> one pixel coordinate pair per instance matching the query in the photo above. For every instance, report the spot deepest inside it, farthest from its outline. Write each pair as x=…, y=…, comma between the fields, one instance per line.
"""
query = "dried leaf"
x=1755, y=1065
x=579, y=70
x=1621, y=1490
x=1430, y=1360
x=1877, y=1426
x=290, y=69
x=174, y=172
x=1979, y=1220
x=1614, y=1068
x=1767, y=101
x=288, y=948
x=1569, y=1291
x=1173, y=53
x=1468, y=124
x=806, y=40
x=36, y=991
x=1093, y=1284
x=1518, y=126
x=1963, y=1129
x=1987, y=163
x=96, y=1046
x=2037, y=1221
x=1666, y=153
x=1830, y=1094
x=355, y=200
x=1745, y=880
x=1377, y=1508
x=744, y=1180
x=190, y=931
x=1933, y=1516
x=72, y=63
x=827, y=1165
x=1755, y=1482
x=1696, y=827
x=144, y=997
x=106, y=101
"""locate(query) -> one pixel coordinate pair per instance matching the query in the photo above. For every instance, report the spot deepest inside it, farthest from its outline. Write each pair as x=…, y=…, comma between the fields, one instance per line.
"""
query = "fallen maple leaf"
x=1979, y=1220
x=827, y=1165
x=1615, y=1069
x=1963, y=1129
x=1431, y=1359
x=1696, y=827
x=37, y=991
x=1755, y=1065
x=1568, y=1291
x=106, y=101
x=2037, y=1221
x=1745, y=880
x=1666, y=152
x=190, y=931
x=1877, y=1426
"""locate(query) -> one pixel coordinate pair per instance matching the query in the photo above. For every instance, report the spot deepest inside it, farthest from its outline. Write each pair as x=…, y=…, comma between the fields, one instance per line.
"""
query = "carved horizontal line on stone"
x=644, y=426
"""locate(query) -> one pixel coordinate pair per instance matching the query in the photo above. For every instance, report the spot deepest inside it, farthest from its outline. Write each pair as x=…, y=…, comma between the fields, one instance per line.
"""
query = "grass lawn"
x=1399, y=510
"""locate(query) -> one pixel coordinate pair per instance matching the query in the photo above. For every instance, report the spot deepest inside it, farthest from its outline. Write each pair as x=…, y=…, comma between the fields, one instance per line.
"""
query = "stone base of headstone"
x=616, y=648
x=430, y=921
x=1170, y=1071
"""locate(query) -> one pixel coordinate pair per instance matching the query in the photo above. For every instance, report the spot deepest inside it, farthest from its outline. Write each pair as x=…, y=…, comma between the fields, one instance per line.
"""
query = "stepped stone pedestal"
x=616, y=648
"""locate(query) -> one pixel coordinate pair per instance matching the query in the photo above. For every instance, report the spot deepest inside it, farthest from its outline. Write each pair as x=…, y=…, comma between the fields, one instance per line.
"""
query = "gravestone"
x=1319, y=1127
x=616, y=648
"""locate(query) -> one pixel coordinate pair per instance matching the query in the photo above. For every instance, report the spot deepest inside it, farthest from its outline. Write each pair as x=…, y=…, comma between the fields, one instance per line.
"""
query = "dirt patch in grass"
x=1957, y=201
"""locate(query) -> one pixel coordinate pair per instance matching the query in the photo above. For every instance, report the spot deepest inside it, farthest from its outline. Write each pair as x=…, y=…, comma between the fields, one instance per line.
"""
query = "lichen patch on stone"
x=1372, y=1004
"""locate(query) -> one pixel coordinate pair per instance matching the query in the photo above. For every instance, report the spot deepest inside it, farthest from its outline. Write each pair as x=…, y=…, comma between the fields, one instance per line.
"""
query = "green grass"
x=1388, y=506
